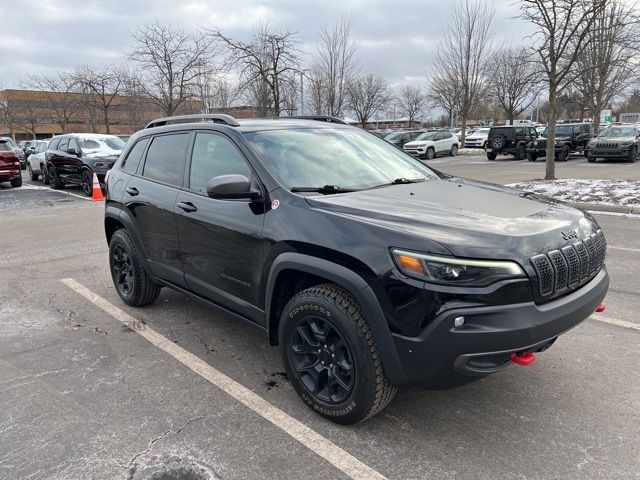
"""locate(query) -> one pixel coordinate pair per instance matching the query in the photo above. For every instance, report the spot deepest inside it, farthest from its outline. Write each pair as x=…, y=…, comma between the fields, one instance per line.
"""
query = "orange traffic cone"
x=97, y=195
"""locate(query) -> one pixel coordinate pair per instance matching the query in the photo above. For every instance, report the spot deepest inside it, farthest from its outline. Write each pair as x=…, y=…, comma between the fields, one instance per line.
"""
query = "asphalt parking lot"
x=84, y=396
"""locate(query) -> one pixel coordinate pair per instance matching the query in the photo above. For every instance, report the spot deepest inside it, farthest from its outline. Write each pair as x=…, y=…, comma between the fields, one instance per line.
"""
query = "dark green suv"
x=620, y=142
x=510, y=140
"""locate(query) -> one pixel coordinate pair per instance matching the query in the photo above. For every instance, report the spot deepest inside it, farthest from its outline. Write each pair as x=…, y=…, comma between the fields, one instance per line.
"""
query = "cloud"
x=397, y=39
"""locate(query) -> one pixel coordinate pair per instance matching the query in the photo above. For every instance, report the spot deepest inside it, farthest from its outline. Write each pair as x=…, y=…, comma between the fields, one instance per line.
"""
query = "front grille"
x=541, y=144
x=563, y=270
x=605, y=145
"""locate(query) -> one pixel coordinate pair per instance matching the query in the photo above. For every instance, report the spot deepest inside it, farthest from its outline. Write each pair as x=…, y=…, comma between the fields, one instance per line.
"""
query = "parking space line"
x=28, y=186
x=624, y=249
x=615, y=321
x=299, y=431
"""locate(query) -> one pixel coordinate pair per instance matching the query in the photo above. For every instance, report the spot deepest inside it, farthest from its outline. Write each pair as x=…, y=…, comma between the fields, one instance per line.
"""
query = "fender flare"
x=356, y=286
x=124, y=218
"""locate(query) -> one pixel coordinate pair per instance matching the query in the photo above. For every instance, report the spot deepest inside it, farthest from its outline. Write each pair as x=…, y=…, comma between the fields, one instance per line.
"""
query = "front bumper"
x=416, y=151
x=443, y=356
x=618, y=154
x=541, y=152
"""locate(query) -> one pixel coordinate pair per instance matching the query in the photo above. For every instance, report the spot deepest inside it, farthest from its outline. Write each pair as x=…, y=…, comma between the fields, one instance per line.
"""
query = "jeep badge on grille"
x=569, y=235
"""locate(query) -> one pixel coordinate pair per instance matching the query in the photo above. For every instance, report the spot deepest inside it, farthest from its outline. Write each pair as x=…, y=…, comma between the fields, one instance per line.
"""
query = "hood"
x=467, y=217
x=613, y=140
x=479, y=135
x=419, y=143
x=103, y=156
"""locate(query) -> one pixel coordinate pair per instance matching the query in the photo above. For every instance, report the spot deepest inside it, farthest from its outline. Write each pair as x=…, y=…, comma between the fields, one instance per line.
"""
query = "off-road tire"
x=532, y=157
x=520, y=152
x=430, y=153
x=454, y=151
x=144, y=290
x=591, y=159
x=633, y=154
x=498, y=142
x=371, y=390
x=44, y=175
x=492, y=155
x=563, y=156
x=16, y=182
x=54, y=180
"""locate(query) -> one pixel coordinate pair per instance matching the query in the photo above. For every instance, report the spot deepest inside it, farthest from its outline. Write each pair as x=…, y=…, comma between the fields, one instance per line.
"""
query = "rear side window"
x=64, y=143
x=132, y=161
x=165, y=158
x=214, y=155
x=4, y=146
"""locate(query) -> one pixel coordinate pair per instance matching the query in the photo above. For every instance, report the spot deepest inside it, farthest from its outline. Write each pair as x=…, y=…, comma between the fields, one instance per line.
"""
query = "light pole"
x=302, y=75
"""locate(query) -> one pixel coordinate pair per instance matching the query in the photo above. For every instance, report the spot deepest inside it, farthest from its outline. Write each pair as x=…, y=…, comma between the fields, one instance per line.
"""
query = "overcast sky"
x=396, y=38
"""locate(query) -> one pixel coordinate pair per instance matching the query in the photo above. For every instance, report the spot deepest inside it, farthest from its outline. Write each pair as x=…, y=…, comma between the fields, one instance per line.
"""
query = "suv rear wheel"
x=454, y=151
x=331, y=357
x=520, y=152
x=16, y=182
x=492, y=155
x=563, y=156
x=532, y=157
x=32, y=175
x=132, y=282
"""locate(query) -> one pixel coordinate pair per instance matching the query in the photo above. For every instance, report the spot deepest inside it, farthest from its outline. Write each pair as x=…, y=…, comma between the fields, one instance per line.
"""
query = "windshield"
x=349, y=159
x=104, y=145
x=481, y=131
x=427, y=136
x=561, y=130
x=394, y=136
x=618, y=132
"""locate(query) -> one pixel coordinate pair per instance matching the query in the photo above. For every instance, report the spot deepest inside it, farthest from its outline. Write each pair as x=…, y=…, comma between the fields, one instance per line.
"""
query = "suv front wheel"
x=331, y=357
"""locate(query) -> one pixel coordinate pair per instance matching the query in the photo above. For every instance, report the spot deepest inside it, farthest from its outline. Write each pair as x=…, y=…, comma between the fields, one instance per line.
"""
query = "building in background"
x=28, y=114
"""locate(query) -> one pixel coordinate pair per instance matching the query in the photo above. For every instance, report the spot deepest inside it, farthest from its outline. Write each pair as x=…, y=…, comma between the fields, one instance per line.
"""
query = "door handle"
x=187, y=207
x=133, y=191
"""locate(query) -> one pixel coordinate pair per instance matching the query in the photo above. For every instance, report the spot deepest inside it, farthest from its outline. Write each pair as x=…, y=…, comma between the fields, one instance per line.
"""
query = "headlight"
x=626, y=144
x=455, y=271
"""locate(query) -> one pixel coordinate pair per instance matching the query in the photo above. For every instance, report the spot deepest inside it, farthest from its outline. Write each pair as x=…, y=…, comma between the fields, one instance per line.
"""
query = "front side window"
x=54, y=144
x=214, y=155
x=348, y=158
x=64, y=144
x=427, y=136
x=73, y=143
x=165, y=158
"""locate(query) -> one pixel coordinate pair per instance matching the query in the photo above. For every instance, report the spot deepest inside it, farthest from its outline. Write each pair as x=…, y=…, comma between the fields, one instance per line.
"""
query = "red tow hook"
x=601, y=308
x=525, y=359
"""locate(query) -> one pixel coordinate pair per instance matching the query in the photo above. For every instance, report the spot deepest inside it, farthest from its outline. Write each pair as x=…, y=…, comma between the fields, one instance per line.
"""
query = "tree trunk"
x=106, y=120
x=511, y=117
x=463, y=136
x=597, y=111
x=550, y=170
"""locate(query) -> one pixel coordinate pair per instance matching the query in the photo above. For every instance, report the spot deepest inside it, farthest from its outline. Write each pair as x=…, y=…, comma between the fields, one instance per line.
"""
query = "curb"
x=608, y=208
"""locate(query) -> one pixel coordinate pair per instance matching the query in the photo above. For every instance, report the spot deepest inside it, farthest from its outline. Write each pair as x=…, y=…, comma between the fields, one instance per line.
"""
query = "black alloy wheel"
x=322, y=359
x=122, y=270
x=87, y=183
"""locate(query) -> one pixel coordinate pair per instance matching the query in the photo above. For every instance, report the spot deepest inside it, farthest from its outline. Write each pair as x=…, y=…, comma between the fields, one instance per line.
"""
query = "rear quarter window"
x=130, y=164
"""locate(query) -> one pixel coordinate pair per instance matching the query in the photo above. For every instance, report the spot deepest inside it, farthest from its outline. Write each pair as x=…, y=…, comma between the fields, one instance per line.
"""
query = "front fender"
x=357, y=287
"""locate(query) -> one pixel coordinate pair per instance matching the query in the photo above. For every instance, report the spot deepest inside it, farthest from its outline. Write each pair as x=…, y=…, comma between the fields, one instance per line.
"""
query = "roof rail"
x=321, y=118
x=213, y=117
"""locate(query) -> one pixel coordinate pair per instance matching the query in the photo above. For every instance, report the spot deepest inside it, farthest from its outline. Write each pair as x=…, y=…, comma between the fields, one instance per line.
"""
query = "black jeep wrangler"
x=509, y=140
x=369, y=269
x=570, y=137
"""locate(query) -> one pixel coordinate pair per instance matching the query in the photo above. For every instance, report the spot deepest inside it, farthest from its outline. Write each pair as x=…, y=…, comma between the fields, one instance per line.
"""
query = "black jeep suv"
x=369, y=269
x=509, y=140
x=74, y=158
x=570, y=137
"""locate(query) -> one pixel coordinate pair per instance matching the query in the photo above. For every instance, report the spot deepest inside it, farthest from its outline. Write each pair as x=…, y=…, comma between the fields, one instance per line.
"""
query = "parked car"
x=9, y=163
x=509, y=140
x=569, y=137
x=74, y=158
x=36, y=161
x=24, y=145
x=619, y=142
x=124, y=138
x=19, y=152
x=478, y=139
x=400, y=138
x=370, y=270
x=430, y=144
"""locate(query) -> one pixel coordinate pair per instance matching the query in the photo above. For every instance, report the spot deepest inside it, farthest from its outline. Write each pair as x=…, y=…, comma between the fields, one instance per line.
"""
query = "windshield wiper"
x=402, y=181
x=327, y=189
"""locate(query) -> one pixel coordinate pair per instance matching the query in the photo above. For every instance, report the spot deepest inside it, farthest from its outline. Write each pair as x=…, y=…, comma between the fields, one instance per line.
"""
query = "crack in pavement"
x=133, y=463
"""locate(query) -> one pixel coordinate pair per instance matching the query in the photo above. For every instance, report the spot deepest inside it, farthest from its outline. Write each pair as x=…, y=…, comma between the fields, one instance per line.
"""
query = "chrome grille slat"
x=570, y=267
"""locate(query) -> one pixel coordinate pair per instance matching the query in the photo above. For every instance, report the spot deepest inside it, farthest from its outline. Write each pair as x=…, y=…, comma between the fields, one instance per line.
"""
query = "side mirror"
x=231, y=187
x=72, y=151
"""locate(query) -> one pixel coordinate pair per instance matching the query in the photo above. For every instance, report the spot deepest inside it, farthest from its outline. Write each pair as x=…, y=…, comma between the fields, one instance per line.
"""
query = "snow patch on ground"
x=601, y=192
x=471, y=151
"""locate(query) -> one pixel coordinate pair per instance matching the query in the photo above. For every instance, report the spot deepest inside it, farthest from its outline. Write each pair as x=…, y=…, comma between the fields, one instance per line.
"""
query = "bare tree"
x=444, y=92
x=462, y=55
x=366, y=95
x=267, y=64
x=102, y=85
x=60, y=92
x=9, y=116
x=336, y=63
x=139, y=109
x=171, y=61
x=562, y=35
x=215, y=92
x=607, y=63
x=412, y=101
x=315, y=91
x=514, y=81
